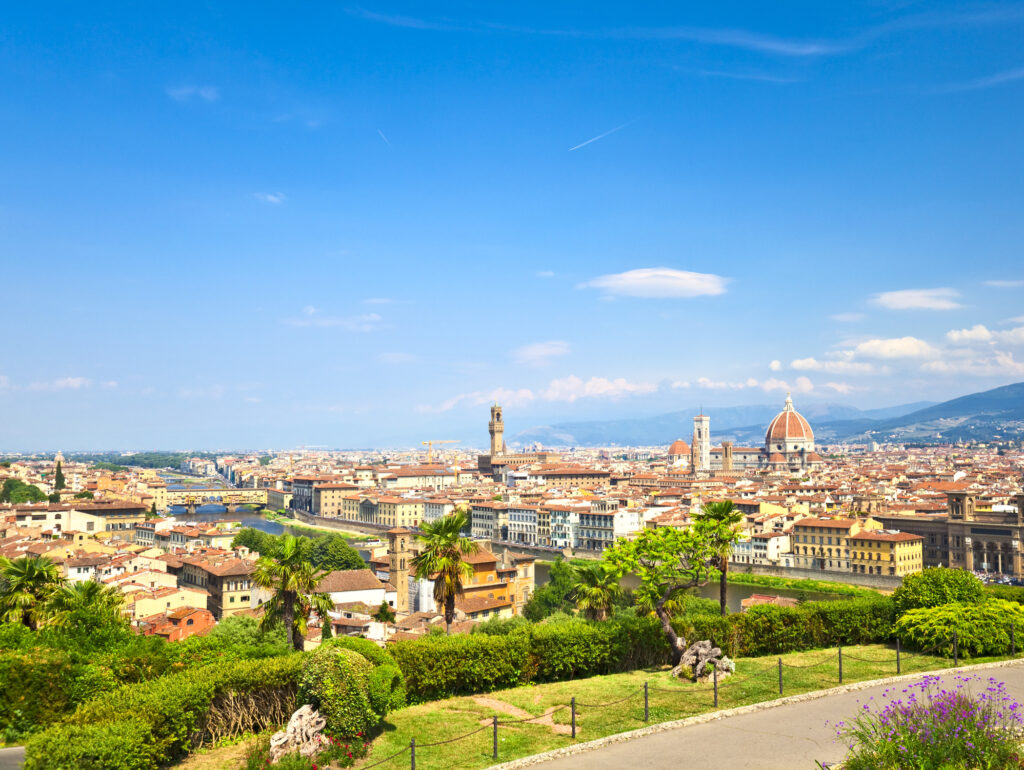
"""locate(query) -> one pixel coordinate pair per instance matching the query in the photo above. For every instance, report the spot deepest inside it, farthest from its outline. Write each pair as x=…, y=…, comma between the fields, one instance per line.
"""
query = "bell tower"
x=399, y=560
x=496, y=427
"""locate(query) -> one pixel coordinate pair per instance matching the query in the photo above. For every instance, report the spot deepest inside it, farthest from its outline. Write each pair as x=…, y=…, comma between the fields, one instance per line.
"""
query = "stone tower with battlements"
x=496, y=427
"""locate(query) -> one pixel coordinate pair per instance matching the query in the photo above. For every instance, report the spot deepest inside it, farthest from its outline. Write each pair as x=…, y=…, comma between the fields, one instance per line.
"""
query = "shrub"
x=936, y=586
x=1009, y=593
x=937, y=728
x=36, y=687
x=441, y=666
x=122, y=744
x=177, y=712
x=335, y=681
x=981, y=629
x=386, y=683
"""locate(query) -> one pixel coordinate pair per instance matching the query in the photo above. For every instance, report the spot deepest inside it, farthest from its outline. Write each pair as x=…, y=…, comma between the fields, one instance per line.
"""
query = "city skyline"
x=362, y=226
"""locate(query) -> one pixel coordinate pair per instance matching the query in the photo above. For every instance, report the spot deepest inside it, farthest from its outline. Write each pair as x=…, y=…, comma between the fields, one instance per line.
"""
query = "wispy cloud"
x=988, y=81
x=1005, y=284
x=273, y=198
x=896, y=347
x=847, y=317
x=601, y=136
x=386, y=141
x=188, y=93
x=545, y=273
x=539, y=353
x=918, y=299
x=62, y=383
x=566, y=389
x=658, y=282
x=311, y=317
x=799, y=385
x=759, y=77
x=834, y=367
x=743, y=39
x=378, y=301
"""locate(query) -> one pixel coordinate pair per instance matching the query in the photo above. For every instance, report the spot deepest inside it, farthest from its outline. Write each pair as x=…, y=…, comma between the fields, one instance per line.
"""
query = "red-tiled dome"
x=776, y=458
x=679, y=447
x=788, y=425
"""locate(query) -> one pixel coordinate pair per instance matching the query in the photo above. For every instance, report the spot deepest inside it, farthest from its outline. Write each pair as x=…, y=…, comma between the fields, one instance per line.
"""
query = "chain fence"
x=752, y=674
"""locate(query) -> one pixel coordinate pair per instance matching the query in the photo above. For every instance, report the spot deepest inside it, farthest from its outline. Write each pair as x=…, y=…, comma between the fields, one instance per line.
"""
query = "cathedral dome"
x=679, y=448
x=788, y=425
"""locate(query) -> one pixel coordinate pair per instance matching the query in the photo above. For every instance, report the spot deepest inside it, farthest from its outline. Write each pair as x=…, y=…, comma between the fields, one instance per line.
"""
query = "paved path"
x=789, y=737
x=11, y=759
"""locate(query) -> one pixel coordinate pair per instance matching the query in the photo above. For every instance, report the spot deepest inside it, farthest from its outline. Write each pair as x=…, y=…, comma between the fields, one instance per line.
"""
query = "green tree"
x=595, y=591
x=151, y=513
x=332, y=552
x=553, y=596
x=265, y=460
x=85, y=603
x=54, y=498
x=58, y=478
x=26, y=585
x=668, y=562
x=86, y=495
x=722, y=521
x=442, y=559
x=292, y=581
x=17, y=492
x=384, y=613
x=936, y=586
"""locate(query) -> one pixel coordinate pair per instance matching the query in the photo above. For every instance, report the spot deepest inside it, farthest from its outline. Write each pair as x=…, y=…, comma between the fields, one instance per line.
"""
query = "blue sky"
x=251, y=225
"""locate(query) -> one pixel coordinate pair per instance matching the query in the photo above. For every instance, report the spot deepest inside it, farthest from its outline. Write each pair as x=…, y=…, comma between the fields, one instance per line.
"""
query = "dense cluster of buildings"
x=864, y=514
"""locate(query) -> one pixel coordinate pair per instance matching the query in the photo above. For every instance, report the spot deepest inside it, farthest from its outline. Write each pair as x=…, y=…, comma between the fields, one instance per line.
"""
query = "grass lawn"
x=756, y=680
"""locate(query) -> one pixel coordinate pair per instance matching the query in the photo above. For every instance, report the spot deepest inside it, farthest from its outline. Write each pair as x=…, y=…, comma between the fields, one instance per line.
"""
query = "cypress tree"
x=58, y=478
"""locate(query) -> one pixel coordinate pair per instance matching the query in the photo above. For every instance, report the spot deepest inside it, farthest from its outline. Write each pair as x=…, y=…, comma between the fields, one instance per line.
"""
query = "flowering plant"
x=969, y=723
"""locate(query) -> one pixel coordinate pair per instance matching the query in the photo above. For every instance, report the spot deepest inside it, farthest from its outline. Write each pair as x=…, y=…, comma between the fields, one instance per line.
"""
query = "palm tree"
x=26, y=583
x=442, y=559
x=292, y=581
x=71, y=603
x=722, y=522
x=595, y=591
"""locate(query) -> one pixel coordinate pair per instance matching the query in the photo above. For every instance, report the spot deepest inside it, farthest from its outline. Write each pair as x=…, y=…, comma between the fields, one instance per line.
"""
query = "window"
x=188, y=622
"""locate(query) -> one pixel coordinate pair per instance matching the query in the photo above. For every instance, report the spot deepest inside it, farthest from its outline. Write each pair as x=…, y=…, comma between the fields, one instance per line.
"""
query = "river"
x=734, y=592
x=254, y=519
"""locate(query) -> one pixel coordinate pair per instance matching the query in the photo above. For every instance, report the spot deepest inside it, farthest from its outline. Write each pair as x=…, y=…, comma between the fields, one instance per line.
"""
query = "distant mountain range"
x=993, y=414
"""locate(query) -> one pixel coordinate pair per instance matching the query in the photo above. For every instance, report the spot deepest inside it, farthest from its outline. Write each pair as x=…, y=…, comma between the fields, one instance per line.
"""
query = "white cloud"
x=976, y=333
x=572, y=388
x=62, y=383
x=378, y=301
x=775, y=366
x=274, y=198
x=918, y=299
x=311, y=317
x=1015, y=320
x=898, y=347
x=658, y=282
x=839, y=387
x=539, y=353
x=1005, y=284
x=800, y=385
x=4, y=382
x=545, y=273
x=252, y=400
x=835, y=367
x=680, y=385
x=847, y=317
x=998, y=364
x=187, y=93
x=707, y=382
x=1012, y=336
x=397, y=359
x=109, y=385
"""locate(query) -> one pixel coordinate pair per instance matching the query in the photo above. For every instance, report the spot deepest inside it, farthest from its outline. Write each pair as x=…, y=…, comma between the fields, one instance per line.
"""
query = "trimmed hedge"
x=148, y=724
x=505, y=655
x=936, y=586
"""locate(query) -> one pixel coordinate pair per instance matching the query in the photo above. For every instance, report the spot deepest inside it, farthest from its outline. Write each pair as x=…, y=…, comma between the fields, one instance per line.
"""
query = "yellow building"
x=886, y=553
x=399, y=512
x=820, y=543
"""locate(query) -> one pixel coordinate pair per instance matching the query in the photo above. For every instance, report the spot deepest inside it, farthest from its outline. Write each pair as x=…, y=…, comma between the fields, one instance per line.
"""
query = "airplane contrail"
x=383, y=137
x=601, y=136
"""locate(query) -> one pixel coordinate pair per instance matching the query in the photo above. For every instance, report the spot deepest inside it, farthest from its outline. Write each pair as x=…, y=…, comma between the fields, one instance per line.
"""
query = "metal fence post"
x=956, y=651
x=495, y=753
x=840, y=664
x=573, y=707
x=714, y=675
x=898, y=655
x=412, y=754
x=647, y=708
x=780, y=676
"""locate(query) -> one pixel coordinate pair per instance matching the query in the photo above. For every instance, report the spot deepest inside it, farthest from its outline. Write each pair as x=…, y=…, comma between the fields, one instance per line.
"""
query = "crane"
x=430, y=447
